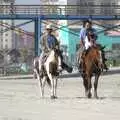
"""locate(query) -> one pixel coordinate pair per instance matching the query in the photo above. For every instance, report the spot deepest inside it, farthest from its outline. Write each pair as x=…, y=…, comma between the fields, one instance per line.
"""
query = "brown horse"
x=92, y=66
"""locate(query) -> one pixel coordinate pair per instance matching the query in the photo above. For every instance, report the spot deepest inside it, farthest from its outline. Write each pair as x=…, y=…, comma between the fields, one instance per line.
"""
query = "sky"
x=28, y=27
x=27, y=1
x=33, y=2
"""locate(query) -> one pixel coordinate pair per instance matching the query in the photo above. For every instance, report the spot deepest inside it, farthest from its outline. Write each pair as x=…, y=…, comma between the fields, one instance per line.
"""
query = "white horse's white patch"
x=53, y=79
x=49, y=59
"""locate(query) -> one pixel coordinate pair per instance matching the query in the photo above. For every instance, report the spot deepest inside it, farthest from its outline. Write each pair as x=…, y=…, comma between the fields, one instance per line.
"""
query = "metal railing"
x=61, y=9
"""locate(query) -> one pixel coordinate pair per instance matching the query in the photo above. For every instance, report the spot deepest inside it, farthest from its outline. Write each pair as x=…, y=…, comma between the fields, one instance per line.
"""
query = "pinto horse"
x=92, y=66
x=50, y=72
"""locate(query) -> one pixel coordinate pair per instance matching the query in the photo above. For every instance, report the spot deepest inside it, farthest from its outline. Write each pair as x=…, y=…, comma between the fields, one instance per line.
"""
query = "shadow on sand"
x=82, y=98
x=71, y=75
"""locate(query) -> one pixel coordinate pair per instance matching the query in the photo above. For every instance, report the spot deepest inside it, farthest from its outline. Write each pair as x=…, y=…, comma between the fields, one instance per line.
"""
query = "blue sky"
x=29, y=27
x=27, y=1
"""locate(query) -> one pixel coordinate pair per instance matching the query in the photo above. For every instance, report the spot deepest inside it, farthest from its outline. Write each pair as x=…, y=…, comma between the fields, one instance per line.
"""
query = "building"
x=6, y=35
x=86, y=6
x=24, y=40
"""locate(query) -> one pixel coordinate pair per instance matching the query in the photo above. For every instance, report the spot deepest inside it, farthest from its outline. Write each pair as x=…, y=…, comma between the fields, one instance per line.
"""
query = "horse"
x=92, y=66
x=50, y=73
x=92, y=63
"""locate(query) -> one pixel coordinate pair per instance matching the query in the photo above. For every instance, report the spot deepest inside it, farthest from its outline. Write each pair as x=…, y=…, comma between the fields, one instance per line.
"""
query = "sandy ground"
x=20, y=100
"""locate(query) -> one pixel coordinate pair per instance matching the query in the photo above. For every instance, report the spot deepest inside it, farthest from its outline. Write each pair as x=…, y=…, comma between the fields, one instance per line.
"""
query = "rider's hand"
x=57, y=47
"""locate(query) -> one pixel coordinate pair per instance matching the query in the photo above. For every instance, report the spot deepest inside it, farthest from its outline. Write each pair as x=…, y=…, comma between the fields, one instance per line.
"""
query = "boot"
x=59, y=68
x=105, y=67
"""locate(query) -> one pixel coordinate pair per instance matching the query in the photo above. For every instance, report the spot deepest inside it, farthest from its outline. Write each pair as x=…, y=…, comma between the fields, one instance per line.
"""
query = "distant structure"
x=6, y=35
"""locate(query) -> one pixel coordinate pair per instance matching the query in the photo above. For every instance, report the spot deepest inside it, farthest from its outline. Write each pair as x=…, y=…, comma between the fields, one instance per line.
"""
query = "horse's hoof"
x=86, y=93
x=53, y=97
x=57, y=73
x=89, y=95
x=34, y=76
x=96, y=97
x=56, y=97
x=42, y=96
x=70, y=70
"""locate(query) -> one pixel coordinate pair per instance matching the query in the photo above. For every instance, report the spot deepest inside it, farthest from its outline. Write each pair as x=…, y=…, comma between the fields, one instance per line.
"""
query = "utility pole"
x=14, y=42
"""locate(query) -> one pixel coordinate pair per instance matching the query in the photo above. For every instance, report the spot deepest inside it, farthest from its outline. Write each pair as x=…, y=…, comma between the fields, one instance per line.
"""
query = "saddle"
x=43, y=70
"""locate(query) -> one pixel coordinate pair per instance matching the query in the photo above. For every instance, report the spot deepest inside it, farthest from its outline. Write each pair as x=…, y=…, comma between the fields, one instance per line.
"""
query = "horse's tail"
x=48, y=81
x=67, y=68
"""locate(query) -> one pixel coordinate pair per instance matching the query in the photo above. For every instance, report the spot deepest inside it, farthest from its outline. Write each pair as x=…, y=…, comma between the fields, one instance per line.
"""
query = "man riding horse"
x=50, y=63
x=48, y=42
x=88, y=39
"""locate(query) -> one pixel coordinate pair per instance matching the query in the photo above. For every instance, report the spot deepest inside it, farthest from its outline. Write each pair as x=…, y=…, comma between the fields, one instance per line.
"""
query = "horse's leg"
x=39, y=79
x=34, y=73
x=43, y=81
x=85, y=83
x=40, y=84
x=52, y=85
x=95, y=85
x=55, y=87
x=89, y=87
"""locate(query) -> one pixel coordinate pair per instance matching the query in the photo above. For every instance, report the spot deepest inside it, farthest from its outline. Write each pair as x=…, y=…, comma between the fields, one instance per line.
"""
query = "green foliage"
x=112, y=63
x=24, y=54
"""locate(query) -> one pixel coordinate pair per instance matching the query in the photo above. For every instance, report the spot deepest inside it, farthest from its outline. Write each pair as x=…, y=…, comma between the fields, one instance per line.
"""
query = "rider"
x=85, y=43
x=87, y=29
x=47, y=42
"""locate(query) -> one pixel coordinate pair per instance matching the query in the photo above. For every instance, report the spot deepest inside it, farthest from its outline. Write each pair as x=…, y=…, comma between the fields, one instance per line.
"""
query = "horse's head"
x=91, y=36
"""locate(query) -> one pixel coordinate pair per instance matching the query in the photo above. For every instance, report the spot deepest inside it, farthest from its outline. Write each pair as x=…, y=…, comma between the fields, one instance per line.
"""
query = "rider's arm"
x=82, y=36
x=57, y=43
x=41, y=43
x=44, y=45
